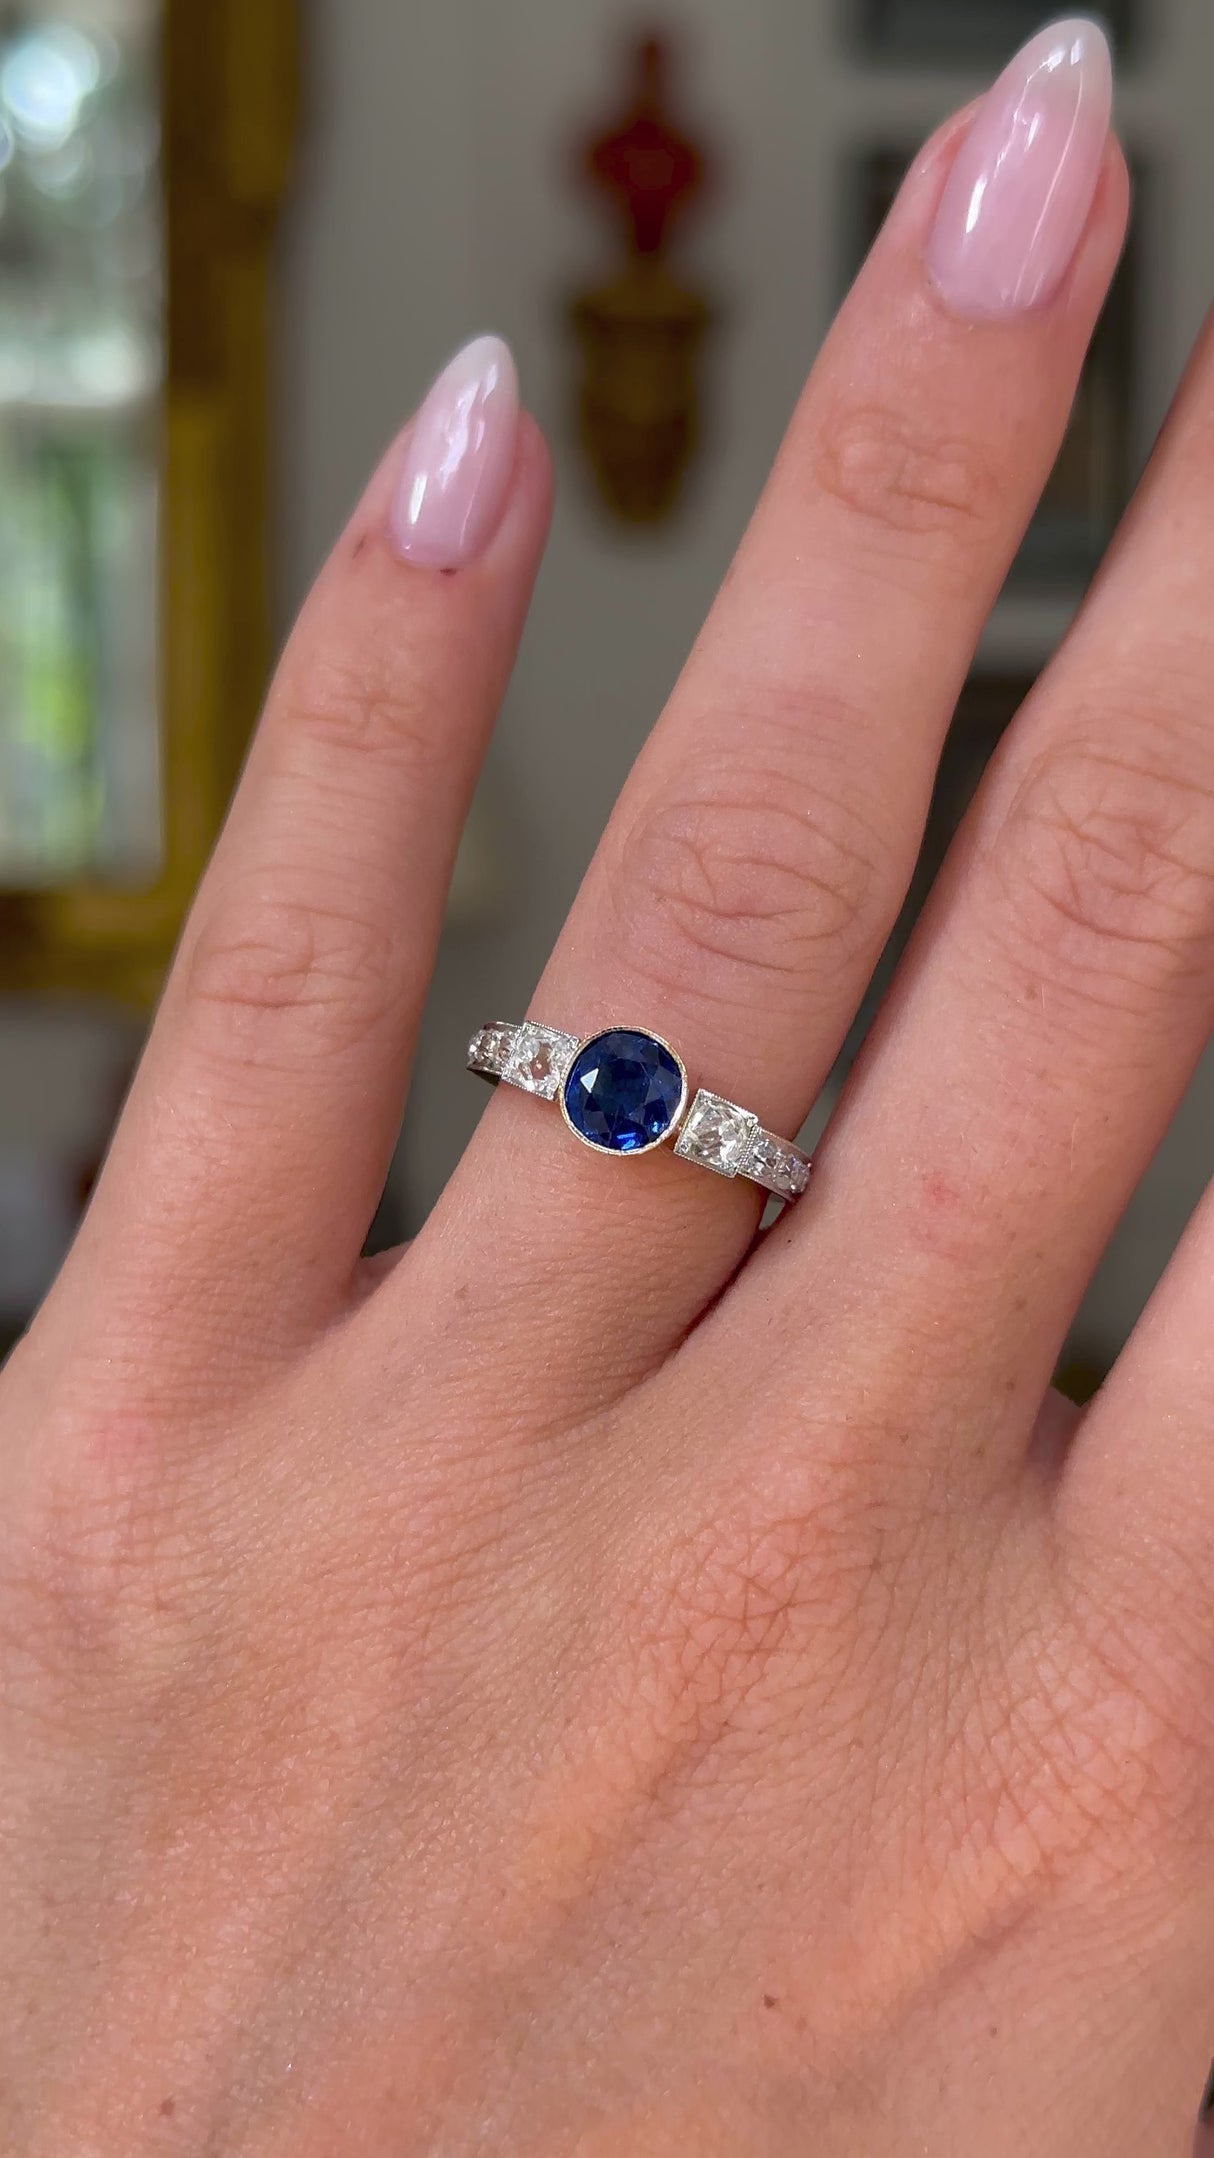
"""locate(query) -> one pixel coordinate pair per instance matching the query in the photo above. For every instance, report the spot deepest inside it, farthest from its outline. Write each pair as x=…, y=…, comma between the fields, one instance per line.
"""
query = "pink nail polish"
x=460, y=459
x=1020, y=194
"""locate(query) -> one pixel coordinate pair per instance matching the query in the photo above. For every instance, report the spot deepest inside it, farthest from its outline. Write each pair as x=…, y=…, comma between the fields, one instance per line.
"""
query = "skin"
x=603, y=1684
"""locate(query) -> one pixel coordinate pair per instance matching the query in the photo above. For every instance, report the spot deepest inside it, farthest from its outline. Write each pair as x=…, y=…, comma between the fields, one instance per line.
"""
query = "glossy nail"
x=460, y=459
x=1020, y=194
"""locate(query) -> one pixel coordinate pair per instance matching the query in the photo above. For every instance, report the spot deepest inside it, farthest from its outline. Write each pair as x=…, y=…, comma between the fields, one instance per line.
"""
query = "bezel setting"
x=635, y=1153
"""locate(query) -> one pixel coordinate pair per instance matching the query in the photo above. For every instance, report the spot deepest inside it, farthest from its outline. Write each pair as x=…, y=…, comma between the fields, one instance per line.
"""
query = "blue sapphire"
x=624, y=1091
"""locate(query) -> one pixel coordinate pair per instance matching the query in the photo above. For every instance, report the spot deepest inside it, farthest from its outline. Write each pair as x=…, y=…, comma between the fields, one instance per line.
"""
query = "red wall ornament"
x=641, y=332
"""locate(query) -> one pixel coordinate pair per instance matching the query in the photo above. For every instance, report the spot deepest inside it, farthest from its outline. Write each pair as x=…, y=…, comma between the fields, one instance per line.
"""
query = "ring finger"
x=762, y=848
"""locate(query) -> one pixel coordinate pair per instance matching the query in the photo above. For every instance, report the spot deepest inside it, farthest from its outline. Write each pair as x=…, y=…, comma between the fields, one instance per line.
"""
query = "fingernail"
x=1020, y=194
x=460, y=459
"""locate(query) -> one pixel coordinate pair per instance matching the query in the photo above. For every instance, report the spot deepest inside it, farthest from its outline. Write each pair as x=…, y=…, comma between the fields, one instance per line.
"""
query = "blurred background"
x=237, y=237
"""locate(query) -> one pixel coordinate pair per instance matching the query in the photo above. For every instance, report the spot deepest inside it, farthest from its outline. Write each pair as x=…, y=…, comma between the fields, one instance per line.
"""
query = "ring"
x=624, y=1091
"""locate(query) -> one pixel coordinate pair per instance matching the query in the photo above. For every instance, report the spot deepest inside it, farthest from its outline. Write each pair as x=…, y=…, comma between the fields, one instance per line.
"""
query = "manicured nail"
x=1021, y=191
x=460, y=459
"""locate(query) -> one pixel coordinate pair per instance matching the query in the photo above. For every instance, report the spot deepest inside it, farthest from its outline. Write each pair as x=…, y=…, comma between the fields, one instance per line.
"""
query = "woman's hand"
x=606, y=1685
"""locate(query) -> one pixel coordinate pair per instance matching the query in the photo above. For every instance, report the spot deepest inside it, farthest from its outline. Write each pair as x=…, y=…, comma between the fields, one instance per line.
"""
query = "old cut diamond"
x=717, y=1134
x=779, y=1166
x=798, y=1175
x=765, y=1155
x=540, y=1059
x=489, y=1051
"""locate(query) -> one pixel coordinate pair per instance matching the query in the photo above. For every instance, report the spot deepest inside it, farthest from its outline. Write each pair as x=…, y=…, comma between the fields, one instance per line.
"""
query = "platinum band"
x=713, y=1133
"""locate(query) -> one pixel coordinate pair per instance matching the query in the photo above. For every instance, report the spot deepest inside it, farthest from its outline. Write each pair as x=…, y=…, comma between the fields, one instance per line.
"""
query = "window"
x=81, y=369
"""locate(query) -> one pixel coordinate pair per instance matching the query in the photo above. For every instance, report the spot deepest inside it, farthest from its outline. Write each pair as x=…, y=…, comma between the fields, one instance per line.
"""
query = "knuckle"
x=905, y=476
x=1153, y=1670
x=270, y=981
x=1109, y=870
x=366, y=703
x=749, y=878
x=1107, y=1746
x=765, y=1604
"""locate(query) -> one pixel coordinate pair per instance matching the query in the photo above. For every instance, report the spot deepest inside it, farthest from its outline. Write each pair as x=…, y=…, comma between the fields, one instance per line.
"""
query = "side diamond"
x=717, y=1135
x=540, y=1060
x=781, y=1168
x=799, y=1173
x=489, y=1050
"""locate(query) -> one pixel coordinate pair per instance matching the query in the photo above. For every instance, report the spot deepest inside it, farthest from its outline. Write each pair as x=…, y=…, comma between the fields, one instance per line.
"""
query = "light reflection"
x=109, y=55
x=45, y=81
x=66, y=172
x=81, y=367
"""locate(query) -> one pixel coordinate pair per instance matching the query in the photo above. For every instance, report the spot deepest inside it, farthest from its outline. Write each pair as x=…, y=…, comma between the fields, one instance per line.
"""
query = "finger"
x=761, y=850
x=250, y=1160
x=1140, y=1484
x=1062, y=985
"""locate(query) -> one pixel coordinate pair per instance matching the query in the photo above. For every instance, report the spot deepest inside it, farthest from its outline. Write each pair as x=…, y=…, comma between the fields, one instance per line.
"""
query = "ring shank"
x=714, y=1134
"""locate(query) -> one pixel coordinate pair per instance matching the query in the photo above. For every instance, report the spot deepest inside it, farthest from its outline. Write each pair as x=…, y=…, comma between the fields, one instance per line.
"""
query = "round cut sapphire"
x=624, y=1091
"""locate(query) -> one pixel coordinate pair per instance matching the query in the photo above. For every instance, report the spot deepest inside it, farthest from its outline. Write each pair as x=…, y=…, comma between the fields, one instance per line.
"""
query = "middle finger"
x=762, y=848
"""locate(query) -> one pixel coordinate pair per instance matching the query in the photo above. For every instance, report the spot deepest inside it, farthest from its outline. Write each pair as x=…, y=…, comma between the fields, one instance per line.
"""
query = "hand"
x=606, y=1684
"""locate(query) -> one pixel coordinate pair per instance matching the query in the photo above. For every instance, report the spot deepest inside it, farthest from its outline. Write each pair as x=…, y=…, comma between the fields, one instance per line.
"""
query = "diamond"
x=539, y=1061
x=489, y=1051
x=538, y=1069
x=624, y=1091
x=780, y=1167
x=717, y=1134
x=766, y=1155
x=798, y=1175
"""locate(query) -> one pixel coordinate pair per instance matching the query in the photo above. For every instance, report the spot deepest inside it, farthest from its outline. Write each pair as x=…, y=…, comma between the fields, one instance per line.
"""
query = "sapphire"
x=624, y=1091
